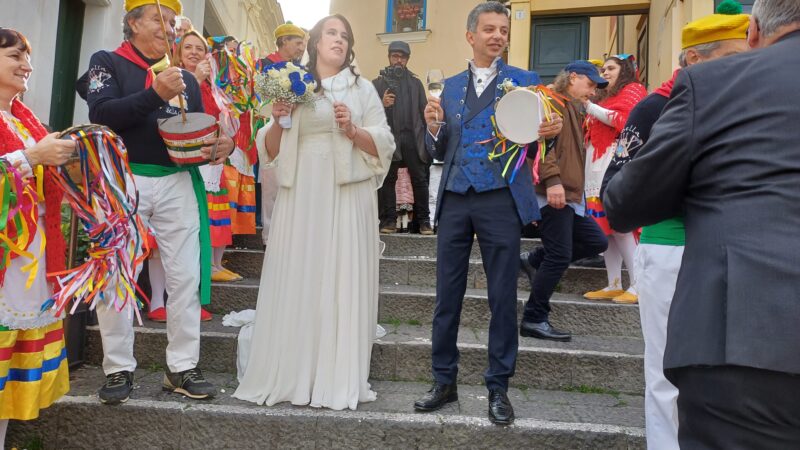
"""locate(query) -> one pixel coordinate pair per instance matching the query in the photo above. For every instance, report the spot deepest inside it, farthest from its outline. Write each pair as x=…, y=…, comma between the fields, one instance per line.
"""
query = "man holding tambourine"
x=477, y=196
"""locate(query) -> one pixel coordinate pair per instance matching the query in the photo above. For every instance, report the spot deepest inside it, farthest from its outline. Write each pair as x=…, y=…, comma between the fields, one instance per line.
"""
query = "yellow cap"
x=713, y=28
x=596, y=62
x=289, y=29
x=174, y=5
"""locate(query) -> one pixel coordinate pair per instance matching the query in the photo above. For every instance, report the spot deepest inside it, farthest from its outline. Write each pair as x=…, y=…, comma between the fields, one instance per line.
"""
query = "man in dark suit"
x=726, y=154
x=477, y=198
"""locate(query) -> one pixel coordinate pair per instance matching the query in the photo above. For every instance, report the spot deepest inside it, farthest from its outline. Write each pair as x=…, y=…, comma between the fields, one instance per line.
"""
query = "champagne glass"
x=336, y=98
x=436, y=86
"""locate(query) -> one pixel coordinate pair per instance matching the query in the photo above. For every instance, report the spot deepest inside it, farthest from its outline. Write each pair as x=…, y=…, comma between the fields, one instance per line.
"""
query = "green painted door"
x=556, y=42
x=65, y=66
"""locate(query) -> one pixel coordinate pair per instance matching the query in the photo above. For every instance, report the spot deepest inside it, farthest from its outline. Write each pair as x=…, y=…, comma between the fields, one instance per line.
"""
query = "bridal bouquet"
x=286, y=82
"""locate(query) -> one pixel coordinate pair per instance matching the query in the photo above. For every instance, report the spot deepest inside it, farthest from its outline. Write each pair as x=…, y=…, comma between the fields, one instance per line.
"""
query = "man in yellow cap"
x=291, y=43
x=724, y=155
x=130, y=90
x=661, y=246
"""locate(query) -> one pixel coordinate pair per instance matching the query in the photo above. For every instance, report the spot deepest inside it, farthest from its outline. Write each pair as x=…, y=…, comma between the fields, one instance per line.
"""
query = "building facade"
x=545, y=34
x=65, y=33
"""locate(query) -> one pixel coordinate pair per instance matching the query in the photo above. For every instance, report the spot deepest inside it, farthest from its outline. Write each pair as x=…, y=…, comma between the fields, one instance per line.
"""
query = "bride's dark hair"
x=314, y=37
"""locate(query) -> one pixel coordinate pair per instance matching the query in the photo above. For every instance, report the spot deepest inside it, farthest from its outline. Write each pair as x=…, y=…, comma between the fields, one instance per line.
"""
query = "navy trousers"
x=492, y=216
x=566, y=237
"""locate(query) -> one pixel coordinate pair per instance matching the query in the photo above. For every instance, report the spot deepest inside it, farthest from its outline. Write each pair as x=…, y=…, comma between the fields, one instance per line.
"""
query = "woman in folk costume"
x=33, y=359
x=192, y=54
x=317, y=303
x=239, y=173
x=605, y=121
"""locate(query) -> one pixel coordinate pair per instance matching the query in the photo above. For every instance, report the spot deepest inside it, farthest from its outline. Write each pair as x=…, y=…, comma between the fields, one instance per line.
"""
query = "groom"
x=475, y=198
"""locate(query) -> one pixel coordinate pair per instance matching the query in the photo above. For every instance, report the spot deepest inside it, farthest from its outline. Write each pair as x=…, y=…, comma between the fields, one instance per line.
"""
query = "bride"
x=318, y=299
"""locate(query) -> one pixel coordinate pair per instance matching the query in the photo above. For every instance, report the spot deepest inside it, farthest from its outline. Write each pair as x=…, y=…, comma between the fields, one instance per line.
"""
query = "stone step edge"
x=522, y=296
x=432, y=419
x=463, y=345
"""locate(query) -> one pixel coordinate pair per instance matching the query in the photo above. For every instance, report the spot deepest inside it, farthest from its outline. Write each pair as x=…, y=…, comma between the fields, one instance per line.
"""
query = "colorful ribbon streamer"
x=105, y=200
x=18, y=221
x=503, y=146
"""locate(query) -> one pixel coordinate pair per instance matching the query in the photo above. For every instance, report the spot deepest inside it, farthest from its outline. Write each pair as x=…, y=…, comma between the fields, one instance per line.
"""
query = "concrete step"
x=414, y=305
x=155, y=419
x=410, y=245
x=249, y=241
x=421, y=271
x=600, y=362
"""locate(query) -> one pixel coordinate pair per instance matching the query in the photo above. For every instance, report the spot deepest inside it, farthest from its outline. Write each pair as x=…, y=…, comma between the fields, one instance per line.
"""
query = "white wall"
x=38, y=21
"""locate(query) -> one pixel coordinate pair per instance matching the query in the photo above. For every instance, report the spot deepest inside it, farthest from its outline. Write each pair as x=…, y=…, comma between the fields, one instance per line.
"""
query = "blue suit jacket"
x=451, y=136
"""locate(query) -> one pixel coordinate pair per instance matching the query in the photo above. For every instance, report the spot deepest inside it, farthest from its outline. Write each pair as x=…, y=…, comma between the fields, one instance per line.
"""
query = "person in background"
x=660, y=250
x=605, y=122
x=33, y=357
x=290, y=40
x=184, y=24
x=567, y=233
x=403, y=98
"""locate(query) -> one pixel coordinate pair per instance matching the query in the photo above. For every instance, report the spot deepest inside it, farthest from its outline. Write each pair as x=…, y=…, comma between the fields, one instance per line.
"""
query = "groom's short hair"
x=486, y=7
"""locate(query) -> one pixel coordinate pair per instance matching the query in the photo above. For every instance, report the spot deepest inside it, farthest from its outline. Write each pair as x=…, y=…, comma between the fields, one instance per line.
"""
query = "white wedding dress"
x=318, y=299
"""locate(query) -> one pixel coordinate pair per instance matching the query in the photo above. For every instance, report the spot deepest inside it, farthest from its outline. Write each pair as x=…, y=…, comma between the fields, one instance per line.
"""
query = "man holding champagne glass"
x=475, y=198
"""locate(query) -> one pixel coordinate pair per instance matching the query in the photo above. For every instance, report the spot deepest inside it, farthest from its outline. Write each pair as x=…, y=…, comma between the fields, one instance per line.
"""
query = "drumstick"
x=169, y=53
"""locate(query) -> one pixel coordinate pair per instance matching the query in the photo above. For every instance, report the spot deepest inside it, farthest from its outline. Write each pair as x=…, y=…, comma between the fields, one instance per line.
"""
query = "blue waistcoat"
x=466, y=163
x=471, y=165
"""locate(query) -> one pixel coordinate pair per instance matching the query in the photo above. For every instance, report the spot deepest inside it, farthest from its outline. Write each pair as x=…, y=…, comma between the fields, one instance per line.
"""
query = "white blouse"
x=20, y=307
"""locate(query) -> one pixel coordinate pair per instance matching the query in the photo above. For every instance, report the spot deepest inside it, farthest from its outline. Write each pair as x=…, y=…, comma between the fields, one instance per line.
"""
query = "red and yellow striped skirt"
x=219, y=216
x=242, y=196
x=33, y=370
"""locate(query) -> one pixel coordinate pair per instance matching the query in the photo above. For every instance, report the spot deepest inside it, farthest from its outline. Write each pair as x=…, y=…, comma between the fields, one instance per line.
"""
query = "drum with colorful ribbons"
x=184, y=139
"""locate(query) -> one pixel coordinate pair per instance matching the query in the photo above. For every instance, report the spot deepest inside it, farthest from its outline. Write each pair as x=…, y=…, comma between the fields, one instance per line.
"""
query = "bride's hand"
x=280, y=109
x=341, y=114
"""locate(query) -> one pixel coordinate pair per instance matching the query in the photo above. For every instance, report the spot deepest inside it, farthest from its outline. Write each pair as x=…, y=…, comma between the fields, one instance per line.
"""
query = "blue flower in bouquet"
x=286, y=82
x=298, y=87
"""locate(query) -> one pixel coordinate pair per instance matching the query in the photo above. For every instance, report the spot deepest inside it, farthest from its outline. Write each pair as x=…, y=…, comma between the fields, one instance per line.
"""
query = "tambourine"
x=518, y=115
x=73, y=165
x=185, y=139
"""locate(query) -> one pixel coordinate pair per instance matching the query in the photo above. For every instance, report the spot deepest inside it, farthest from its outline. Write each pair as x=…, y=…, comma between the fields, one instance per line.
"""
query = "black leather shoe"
x=438, y=396
x=500, y=410
x=543, y=330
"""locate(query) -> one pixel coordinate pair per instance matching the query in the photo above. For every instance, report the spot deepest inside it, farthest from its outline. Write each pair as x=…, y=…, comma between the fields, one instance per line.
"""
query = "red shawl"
x=55, y=250
x=602, y=135
x=666, y=89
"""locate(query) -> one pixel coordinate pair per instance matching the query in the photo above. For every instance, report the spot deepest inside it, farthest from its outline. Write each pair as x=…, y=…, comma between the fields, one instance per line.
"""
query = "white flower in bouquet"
x=285, y=82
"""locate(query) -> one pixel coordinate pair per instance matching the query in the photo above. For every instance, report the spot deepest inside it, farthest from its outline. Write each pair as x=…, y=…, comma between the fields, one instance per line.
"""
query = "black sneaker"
x=190, y=383
x=117, y=389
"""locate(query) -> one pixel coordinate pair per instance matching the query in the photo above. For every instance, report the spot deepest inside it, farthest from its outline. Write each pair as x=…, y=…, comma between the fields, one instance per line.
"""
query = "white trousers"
x=657, y=269
x=170, y=206
x=269, y=190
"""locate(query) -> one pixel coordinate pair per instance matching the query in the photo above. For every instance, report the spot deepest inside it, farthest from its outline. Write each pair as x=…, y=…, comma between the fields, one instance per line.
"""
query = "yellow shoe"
x=233, y=274
x=222, y=276
x=626, y=298
x=603, y=294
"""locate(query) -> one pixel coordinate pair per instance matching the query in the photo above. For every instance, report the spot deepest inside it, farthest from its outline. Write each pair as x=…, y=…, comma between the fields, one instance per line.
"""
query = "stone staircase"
x=583, y=394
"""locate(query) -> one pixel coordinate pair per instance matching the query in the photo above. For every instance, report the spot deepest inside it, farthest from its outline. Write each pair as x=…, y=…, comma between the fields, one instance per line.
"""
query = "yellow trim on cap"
x=174, y=5
x=713, y=28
